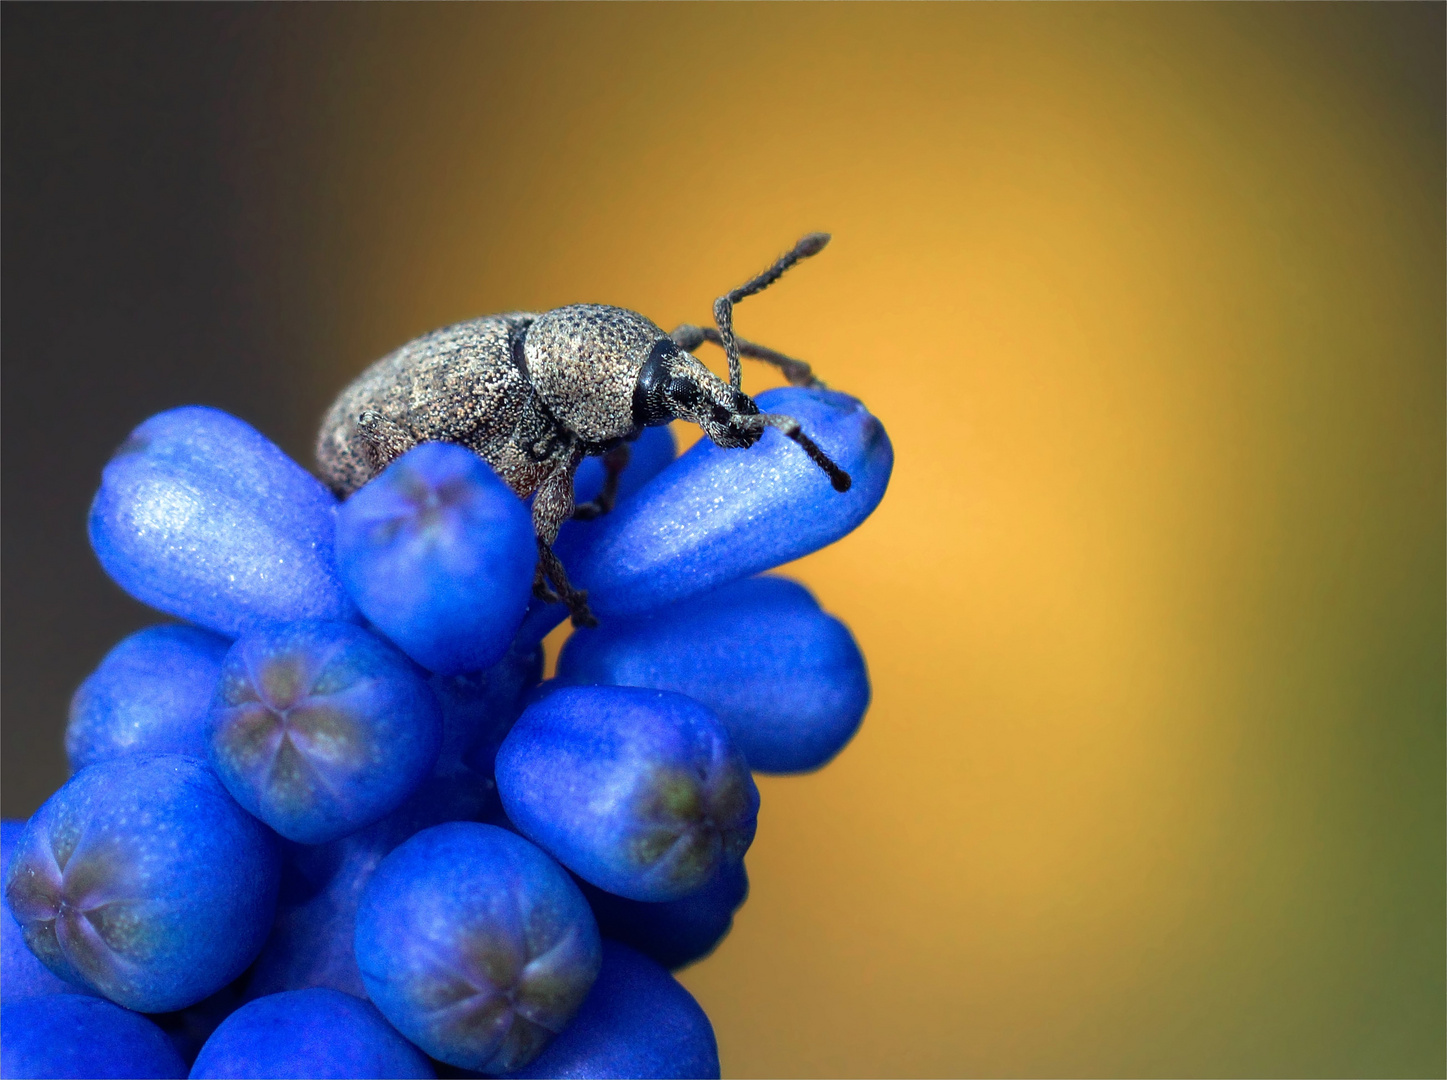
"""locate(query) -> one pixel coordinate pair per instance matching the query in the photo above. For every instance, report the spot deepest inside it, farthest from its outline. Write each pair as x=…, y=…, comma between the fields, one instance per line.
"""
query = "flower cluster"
x=334, y=824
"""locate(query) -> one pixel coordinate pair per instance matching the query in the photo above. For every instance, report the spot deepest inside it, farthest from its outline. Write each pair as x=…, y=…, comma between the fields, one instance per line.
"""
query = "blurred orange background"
x=1151, y=301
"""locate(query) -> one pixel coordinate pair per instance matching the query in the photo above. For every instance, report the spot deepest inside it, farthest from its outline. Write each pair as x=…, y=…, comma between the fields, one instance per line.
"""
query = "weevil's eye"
x=683, y=391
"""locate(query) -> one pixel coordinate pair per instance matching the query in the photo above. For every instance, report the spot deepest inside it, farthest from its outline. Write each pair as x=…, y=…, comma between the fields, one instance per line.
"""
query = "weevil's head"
x=673, y=384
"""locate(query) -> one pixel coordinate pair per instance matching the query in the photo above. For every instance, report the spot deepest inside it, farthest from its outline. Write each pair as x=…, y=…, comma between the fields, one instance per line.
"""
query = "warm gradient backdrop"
x=1151, y=301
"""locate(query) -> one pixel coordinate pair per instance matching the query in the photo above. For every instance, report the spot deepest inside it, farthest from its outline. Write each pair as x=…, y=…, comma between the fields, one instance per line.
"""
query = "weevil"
x=535, y=393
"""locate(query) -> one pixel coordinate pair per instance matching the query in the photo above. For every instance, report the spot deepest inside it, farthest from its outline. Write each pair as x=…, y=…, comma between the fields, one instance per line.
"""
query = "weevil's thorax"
x=583, y=361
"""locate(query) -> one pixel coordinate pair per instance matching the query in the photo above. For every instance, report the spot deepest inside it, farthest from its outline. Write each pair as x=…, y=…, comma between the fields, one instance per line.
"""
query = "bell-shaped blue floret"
x=676, y=932
x=73, y=1035
x=150, y=695
x=640, y=792
x=203, y=517
x=786, y=679
x=22, y=974
x=478, y=709
x=638, y=1021
x=311, y=940
x=438, y=554
x=476, y=946
x=313, y=1033
x=321, y=728
x=189, y=1028
x=716, y=515
x=143, y=879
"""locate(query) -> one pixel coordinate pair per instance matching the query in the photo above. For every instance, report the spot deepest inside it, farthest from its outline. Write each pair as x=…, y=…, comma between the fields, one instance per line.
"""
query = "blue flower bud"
x=638, y=791
x=438, y=554
x=785, y=678
x=478, y=709
x=675, y=933
x=321, y=728
x=150, y=695
x=475, y=945
x=716, y=515
x=313, y=1033
x=203, y=517
x=143, y=879
x=638, y=1021
x=24, y=976
x=73, y=1035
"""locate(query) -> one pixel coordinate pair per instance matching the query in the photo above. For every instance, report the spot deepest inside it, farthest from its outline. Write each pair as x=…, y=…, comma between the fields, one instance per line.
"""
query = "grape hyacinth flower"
x=22, y=975
x=143, y=880
x=475, y=945
x=675, y=933
x=715, y=515
x=438, y=554
x=75, y=1035
x=414, y=917
x=785, y=678
x=322, y=885
x=150, y=695
x=313, y=1033
x=320, y=729
x=640, y=792
x=637, y=1021
x=203, y=517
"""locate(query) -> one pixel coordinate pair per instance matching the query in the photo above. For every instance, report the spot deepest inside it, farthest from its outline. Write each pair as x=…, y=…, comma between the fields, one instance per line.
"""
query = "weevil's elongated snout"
x=691, y=392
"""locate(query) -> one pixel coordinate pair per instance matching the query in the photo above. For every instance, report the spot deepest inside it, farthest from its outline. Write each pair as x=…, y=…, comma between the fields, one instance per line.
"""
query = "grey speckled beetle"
x=534, y=394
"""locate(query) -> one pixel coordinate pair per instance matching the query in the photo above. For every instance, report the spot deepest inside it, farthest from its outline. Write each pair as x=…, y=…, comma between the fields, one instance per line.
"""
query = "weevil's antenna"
x=790, y=427
x=723, y=307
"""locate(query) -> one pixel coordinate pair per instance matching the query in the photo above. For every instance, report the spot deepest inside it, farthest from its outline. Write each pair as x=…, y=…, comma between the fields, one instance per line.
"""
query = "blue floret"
x=70, y=1035
x=675, y=933
x=475, y=945
x=311, y=942
x=716, y=515
x=308, y=1033
x=21, y=974
x=143, y=879
x=640, y=792
x=150, y=695
x=201, y=516
x=638, y=1021
x=320, y=729
x=438, y=554
x=786, y=679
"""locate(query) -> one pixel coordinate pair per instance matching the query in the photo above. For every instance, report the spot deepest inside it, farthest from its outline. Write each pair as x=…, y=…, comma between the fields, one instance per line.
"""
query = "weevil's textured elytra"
x=534, y=394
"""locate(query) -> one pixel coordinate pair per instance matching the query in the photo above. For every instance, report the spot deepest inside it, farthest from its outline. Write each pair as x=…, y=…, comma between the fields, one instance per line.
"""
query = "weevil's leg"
x=552, y=506
x=383, y=439
x=796, y=371
x=614, y=462
x=790, y=427
x=723, y=307
x=540, y=586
